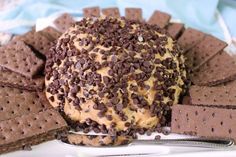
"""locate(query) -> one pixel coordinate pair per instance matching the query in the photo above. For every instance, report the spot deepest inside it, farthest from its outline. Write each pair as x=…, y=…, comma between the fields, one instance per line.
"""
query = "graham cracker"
x=223, y=96
x=64, y=22
x=134, y=14
x=113, y=12
x=205, y=122
x=159, y=18
x=18, y=57
x=91, y=12
x=30, y=129
x=190, y=38
x=175, y=30
x=220, y=69
x=12, y=79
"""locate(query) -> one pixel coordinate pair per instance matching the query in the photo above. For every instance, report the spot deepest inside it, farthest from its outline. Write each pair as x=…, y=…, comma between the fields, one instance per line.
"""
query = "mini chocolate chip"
x=86, y=130
x=127, y=124
x=109, y=117
x=119, y=107
x=106, y=79
x=115, y=100
x=101, y=114
x=95, y=106
x=27, y=147
x=109, y=104
x=51, y=98
x=96, y=130
x=77, y=101
x=75, y=89
x=113, y=124
x=165, y=131
x=114, y=58
x=141, y=131
x=149, y=132
x=157, y=137
x=78, y=65
x=146, y=64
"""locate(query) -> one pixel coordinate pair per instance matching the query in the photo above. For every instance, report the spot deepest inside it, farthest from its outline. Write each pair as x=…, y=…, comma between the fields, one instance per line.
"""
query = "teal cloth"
x=198, y=14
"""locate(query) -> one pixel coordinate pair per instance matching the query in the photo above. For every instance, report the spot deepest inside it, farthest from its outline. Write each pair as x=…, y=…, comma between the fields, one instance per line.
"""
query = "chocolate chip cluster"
x=115, y=76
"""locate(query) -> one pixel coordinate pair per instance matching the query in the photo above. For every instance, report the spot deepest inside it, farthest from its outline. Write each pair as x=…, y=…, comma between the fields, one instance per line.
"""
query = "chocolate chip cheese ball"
x=114, y=75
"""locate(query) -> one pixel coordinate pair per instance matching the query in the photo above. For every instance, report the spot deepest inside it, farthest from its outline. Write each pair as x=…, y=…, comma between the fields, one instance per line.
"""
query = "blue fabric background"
x=199, y=14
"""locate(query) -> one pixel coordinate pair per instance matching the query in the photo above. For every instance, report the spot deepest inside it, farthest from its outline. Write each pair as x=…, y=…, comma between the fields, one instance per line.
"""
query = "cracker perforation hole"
x=5, y=62
x=213, y=114
x=204, y=119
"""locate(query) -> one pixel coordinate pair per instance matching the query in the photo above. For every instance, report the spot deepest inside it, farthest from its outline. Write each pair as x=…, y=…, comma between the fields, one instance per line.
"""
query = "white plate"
x=58, y=149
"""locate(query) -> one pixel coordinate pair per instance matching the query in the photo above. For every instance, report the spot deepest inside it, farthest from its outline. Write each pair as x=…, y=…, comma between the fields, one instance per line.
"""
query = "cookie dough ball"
x=114, y=75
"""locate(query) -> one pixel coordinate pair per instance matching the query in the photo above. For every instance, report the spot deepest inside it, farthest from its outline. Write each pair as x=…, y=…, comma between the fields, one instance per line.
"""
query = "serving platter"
x=60, y=149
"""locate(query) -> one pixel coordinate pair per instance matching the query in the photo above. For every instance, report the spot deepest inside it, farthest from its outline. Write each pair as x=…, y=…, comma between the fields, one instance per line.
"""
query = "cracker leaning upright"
x=114, y=75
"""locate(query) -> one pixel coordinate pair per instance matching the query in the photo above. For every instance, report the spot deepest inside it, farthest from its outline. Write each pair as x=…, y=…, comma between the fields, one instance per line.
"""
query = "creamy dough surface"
x=113, y=75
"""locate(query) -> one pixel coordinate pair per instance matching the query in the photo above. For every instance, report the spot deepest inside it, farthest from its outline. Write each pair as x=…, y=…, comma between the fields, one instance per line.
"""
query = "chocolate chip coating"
x=120, y=74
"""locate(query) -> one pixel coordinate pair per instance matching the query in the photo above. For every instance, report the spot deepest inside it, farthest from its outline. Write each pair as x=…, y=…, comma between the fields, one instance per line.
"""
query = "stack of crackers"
x=26, y=116
x=208, y=108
